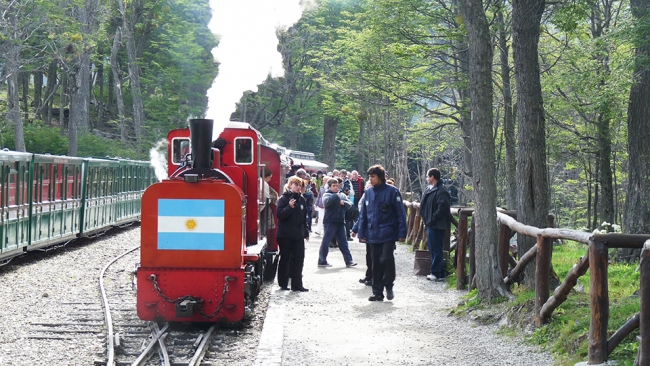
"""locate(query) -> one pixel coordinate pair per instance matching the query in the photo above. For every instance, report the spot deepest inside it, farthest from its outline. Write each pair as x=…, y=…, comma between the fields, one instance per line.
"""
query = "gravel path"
x=335, y=324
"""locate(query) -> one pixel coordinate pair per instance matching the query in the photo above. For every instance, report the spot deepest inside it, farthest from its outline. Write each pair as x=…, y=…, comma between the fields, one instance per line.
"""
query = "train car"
x=47, y=200
x=202, y=253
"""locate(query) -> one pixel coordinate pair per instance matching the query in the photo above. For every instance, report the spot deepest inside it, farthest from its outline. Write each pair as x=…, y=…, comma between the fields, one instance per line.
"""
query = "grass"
x=567, y=333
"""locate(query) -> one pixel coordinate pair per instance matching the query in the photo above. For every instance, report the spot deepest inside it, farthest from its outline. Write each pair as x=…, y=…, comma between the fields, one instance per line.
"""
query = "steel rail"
x=154, y=339
x=203, y=347
x=163, y=348
x=110, y=348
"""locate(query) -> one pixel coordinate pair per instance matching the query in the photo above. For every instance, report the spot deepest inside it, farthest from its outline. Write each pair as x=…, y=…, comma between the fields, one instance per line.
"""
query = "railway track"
x=82, y=320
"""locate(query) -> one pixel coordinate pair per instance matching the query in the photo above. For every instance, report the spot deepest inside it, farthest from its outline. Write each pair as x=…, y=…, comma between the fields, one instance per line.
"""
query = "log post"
x=599, y=293
x=542, y=276
x=410, y=221
x=644, y=321
x=504, y=248
x=472, y=256
x=416, y=232
x=460, y=250
x=561, y=292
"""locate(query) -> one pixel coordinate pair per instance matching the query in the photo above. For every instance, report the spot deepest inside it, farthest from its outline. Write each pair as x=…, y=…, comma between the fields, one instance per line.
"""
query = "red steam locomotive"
x=202, y=254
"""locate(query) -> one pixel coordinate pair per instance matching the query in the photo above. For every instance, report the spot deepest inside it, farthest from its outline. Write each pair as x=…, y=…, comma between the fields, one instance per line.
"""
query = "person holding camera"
x=382, y=221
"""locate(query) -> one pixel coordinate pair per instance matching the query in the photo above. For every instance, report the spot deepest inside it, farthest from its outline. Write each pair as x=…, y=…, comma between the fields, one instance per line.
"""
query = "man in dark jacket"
x=382, y=221
x=336, y=204
x=434, y=209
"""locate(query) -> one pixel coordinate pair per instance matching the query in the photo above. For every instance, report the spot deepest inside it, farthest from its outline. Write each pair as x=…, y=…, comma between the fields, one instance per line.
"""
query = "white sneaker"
x=432, y=278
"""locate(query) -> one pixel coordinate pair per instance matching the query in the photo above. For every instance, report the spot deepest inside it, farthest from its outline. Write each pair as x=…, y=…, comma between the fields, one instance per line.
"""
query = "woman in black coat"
x=292, y=233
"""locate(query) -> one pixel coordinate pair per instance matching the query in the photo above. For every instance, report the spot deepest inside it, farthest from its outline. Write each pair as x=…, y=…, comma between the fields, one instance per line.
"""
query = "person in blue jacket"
x=382, y=221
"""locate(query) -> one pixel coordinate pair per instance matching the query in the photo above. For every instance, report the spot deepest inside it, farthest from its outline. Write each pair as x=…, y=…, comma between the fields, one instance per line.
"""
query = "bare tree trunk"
x=465, y=119
x=330, y=125
x=24, y=83
x=52, y=85
x=532, y=175
x=100, y=102
x=63, y=101
x=508, y=119
x=637, y=203
x=12, y=69
x=489, y=280
x=38, y=93
x=115, y=70
x=361, y=147
x=138, y=107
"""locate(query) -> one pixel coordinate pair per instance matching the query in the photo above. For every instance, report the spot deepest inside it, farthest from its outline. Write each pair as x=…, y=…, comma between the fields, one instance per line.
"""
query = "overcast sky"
x=247, y=49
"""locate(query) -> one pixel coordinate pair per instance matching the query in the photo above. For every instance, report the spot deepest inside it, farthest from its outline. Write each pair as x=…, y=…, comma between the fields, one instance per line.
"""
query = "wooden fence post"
x=599, y=293
x=644, y=322
x=472, y=256
x=542, y=275
x=410, y=221
x=460, y=250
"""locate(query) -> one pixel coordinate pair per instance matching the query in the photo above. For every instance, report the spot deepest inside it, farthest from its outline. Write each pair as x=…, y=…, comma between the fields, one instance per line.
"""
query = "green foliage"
x=94, y=146
x=39, y=139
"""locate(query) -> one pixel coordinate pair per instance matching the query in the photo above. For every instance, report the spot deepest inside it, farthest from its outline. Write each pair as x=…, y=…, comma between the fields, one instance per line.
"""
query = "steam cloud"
x=158, y=158
x=247, y=49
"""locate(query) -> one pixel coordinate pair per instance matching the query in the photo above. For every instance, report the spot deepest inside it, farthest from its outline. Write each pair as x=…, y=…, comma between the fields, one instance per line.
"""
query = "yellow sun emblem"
x=190, y=224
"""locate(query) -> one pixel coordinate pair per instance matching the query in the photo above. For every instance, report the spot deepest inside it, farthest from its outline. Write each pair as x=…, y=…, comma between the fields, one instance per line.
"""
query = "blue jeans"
x=334, y=230
x=436, y=240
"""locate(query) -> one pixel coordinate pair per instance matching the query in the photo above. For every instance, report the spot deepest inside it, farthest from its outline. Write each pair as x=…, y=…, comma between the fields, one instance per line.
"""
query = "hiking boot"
x=389, y=294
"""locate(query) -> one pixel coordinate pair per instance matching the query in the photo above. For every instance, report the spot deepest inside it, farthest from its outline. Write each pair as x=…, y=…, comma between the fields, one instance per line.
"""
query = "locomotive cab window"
x=180, y=149
x=244, y=150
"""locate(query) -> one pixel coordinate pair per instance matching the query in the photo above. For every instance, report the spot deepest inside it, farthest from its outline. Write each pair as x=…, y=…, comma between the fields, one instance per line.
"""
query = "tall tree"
x=86, y=18
x=128, y=29
x=508, y=117
x=532, y=175
x=637, y=204
x=23, y=41
x=489, y=281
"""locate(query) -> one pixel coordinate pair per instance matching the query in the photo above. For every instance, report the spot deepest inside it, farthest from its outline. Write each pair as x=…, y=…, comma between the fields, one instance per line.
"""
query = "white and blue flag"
x=189, y=224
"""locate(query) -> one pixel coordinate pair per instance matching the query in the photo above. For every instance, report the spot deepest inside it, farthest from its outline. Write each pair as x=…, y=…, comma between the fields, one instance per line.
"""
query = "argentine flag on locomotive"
x=189, y=224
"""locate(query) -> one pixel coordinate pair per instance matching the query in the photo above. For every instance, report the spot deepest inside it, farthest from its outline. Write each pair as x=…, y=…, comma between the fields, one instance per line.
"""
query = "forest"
x=365, y=82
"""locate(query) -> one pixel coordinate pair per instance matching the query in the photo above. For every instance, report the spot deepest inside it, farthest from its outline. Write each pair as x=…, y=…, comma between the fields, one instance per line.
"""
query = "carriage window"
x=244, y=150
x=180, y=149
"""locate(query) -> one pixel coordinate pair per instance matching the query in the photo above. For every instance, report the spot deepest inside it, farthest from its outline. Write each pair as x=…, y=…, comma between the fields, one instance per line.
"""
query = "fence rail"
x=595, y=260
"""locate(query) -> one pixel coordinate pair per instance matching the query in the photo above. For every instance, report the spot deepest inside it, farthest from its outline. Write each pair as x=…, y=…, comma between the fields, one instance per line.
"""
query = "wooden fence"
x=595, y=259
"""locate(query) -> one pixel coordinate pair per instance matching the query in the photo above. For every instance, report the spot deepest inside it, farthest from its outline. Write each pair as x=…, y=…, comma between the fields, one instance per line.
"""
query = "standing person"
x=319, y=180
x=367, y=279
x=382, y=221
x=320, y=208
x=334, y=221
x=267, y=195
x=358, y=184
x=292, y=231
x=434, y=210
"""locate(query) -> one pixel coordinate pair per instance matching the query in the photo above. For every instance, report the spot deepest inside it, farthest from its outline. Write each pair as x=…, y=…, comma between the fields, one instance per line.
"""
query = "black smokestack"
x=201, y=135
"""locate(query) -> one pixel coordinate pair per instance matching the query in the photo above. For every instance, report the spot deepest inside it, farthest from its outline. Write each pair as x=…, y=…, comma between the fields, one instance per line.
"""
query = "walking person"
x=434, y=210
x=382, y=221
x=334, y=222
x=292, y=233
